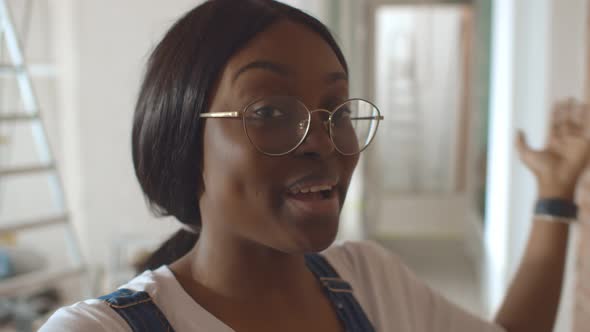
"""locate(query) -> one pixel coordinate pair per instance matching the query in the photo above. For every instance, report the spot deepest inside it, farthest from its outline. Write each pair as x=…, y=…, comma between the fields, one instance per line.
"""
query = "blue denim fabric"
x=340, y=294
x=140, y=312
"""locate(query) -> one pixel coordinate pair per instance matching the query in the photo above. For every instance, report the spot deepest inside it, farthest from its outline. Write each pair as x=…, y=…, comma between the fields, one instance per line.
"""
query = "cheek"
x=223, y=152
x=349, y=164
x=234, y=172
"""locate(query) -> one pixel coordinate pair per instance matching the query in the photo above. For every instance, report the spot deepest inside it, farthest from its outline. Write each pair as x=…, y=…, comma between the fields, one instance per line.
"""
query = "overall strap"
x=340, y=294
x=138, y=310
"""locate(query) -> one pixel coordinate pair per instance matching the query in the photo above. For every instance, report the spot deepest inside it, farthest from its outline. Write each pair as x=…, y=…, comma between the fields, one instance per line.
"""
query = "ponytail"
x=175, y=247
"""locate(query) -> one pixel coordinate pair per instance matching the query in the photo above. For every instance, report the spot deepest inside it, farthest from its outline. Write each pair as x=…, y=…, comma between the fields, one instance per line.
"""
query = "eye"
x=344, y=112
x=268, y=112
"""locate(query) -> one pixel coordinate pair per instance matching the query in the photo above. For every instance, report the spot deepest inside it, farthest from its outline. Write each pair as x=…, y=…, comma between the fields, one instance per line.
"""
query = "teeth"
x=313, y=189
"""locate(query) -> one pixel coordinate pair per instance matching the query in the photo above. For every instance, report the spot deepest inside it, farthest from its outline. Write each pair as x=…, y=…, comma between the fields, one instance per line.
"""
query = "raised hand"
x=560, y=163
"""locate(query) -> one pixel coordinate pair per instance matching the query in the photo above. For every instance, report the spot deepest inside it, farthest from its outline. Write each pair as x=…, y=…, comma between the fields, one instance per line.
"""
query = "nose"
x=317, y=143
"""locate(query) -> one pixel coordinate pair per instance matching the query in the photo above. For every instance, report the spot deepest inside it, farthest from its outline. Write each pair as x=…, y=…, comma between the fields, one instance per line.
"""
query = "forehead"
x=304, y=52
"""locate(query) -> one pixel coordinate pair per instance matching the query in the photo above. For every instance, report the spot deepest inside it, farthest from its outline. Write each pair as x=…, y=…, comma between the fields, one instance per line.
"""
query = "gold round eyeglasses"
x=278, y=125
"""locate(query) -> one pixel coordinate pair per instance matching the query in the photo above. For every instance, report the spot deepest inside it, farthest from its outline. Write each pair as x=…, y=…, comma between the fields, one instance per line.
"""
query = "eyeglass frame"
x=240, y=114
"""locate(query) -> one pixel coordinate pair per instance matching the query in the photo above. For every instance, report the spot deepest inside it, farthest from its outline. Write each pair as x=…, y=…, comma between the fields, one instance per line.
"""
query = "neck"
x=239, y=269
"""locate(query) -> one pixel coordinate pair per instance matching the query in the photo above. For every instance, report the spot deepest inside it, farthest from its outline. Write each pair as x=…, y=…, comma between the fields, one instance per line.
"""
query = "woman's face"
x=258, y=199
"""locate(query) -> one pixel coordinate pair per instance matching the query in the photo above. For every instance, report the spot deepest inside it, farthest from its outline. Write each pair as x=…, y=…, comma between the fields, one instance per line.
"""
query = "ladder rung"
x=34, y=281
x=26, y=170
x=38, y=70
x=13, y=227
x=10, y=69
x=21, y=116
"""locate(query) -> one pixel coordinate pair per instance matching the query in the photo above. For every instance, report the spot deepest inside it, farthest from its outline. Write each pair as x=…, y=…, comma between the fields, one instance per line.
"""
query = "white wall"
x=567, y=77
x=539, y=57
x=104, y=48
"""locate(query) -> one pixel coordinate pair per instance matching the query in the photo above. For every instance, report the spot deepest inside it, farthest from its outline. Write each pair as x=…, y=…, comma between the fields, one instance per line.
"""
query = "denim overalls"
x=140, y=312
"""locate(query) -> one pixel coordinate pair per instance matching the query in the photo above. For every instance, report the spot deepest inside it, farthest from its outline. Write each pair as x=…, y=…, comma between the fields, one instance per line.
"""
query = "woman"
x=245, y=132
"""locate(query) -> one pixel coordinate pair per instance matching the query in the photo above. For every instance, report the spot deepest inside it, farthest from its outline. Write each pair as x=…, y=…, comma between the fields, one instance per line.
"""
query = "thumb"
x=527, y=155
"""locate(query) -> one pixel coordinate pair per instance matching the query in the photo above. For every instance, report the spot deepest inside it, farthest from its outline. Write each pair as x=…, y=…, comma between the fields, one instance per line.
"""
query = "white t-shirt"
x=391, y=296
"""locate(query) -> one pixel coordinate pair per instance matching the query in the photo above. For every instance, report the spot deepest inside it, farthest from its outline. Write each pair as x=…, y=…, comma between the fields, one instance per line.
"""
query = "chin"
x=316, y=237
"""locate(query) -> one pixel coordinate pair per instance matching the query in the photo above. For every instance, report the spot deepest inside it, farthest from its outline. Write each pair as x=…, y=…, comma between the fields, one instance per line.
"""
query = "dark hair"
x=181, y=73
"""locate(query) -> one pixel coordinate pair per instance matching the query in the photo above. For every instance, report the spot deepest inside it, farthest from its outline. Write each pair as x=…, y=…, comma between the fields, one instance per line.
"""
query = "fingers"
x=575, y=116
x=583, y=118
x=557, y=121
x=569, y=119
x=527, y=155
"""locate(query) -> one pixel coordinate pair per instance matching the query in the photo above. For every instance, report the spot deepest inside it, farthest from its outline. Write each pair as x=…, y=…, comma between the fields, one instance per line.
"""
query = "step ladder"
x=28, y=283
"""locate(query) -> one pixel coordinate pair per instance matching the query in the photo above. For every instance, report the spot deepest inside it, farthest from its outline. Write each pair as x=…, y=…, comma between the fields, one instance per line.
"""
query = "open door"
x=419, y=175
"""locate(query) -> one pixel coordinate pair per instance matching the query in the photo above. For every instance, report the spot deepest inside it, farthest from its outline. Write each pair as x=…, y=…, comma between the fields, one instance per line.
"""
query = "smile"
x=314, y=196
x=315, y=191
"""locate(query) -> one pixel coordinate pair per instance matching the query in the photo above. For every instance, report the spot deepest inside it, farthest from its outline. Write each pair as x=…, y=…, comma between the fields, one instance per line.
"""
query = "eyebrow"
x=283, y=70
x=337, y=76
x=276, y=68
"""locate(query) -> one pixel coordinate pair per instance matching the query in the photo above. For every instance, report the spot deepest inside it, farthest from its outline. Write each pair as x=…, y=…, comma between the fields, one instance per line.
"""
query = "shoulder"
x=358, y=249
x=383, y=286
x=364, y=257
x=96, y=315
x=393, y=297
x=367, y=264
x=371, y=269
x=89, y=315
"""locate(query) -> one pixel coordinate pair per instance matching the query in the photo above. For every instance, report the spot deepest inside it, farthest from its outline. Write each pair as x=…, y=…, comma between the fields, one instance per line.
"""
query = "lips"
x=314, y=195
x=312, y=185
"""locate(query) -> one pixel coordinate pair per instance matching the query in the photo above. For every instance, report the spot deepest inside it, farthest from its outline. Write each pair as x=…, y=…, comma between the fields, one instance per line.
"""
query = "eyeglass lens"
x=277, y=125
